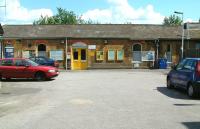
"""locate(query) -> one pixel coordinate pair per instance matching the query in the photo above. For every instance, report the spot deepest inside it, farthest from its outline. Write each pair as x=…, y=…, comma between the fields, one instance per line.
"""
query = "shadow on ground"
x=24, y=80
x=17, y=91
x=191, y=125
x=173, y=93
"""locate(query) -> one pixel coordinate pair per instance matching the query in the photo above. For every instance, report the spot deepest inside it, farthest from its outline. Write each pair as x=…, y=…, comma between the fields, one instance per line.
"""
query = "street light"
x=182, y=37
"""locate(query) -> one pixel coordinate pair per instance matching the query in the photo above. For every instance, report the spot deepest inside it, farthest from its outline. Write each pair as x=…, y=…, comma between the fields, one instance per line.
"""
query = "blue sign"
x=9, y=52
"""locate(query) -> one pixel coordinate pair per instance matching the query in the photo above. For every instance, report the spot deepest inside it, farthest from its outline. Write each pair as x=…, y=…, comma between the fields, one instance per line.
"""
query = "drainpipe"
x=157, y=47
x=66, y=42
x=157, y=54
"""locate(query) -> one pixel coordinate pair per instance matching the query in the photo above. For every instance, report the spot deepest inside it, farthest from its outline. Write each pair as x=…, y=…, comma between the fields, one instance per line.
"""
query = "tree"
x=172, y=20
x=62, y=17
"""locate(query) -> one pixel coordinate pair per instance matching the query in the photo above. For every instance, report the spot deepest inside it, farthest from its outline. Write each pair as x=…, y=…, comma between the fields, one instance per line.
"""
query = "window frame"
x=100, y=59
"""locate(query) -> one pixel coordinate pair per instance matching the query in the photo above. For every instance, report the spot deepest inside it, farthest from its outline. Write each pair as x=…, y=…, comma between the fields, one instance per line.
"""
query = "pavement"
x=97, y=99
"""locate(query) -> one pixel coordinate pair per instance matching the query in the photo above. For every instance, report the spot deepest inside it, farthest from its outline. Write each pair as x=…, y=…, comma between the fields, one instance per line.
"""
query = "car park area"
x=97, y=99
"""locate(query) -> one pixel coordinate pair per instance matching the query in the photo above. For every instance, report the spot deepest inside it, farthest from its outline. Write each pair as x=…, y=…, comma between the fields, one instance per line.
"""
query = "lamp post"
x=182, y=37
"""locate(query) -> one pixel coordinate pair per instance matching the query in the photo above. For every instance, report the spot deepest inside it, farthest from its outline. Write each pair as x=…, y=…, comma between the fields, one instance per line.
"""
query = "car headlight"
x=52, y=71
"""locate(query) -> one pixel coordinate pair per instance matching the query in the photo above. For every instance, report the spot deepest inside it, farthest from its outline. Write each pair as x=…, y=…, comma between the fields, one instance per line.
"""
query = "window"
x=198, y=46
x=168, y=48
x=111, y=55
x=41, y=61
x=99, y=55
x=83, y=54
x=19, y=63
x=137, y=47
x=137, y=55
x=7, y=62
x=180, y=65
x=120, y=54
x=75, y=54
x=190, y=65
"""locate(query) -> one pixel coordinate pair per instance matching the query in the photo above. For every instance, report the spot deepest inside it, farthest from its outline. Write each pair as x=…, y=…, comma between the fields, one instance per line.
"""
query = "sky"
x=103, y=11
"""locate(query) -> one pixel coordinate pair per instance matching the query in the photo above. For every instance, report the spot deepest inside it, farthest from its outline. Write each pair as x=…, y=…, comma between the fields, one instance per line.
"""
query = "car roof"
x=192, y=58
x=12, y=58
x=39, y=57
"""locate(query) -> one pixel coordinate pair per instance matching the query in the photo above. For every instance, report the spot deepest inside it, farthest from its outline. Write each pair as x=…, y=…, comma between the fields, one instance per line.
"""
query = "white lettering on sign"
x=92, y=47
x=56, y=55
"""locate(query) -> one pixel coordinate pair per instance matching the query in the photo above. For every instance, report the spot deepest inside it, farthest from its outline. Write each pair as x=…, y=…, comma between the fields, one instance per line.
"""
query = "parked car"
x=41, y=60
x=186, y=75
x=25, y=68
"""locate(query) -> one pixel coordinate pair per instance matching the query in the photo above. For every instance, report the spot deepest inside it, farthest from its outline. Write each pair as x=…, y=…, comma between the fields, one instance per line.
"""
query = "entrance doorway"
x=137, y=52
x=79, y=56
x=42, y=50
x=169, y=53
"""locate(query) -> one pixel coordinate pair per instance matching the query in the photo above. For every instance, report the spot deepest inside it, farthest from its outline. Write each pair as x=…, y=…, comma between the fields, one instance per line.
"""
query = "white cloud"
x=120, y=11
x=16, y=13
x=98, y=15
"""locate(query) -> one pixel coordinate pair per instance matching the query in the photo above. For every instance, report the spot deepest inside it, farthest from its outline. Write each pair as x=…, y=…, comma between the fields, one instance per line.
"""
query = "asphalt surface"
x=97, y=99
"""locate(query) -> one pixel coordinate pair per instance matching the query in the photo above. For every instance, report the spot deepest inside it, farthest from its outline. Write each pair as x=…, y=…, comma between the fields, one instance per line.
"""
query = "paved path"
x=97, y=99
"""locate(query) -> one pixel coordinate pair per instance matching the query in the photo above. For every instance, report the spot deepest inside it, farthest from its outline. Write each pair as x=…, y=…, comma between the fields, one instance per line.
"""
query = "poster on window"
x=111, y=55
x=148, y=56
x=120, y=54
x=99, y=55
x=25, y=54
x=56, y=55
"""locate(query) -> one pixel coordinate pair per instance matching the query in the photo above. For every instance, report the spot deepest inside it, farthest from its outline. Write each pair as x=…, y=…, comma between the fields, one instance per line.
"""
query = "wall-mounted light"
x=18, y=40
x=106, y=41
x=62, y=41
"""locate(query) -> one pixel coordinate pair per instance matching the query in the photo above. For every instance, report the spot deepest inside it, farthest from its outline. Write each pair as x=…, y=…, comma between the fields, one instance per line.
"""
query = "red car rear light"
x=198, y=69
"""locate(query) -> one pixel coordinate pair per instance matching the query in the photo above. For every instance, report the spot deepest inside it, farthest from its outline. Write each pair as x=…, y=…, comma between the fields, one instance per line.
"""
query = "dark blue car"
x=45, y=61
x=186, y=75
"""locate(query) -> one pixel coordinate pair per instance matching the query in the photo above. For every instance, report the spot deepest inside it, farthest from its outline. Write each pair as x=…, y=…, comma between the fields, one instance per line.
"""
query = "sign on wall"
x=9, y=52
x=25, y=54
x=68, y=55
x=148, y=55
x=56, y=55
x=28, y=54
x=91, y=47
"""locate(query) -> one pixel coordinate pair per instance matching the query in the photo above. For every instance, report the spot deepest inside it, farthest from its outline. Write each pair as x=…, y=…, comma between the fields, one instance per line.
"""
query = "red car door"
x=7, y=68
x=22, y=69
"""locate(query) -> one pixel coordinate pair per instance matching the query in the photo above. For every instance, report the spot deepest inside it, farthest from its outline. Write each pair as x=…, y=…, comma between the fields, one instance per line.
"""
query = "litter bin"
x=162, y=63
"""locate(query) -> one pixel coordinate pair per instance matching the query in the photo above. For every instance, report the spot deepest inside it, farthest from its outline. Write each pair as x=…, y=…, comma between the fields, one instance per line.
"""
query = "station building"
x=80, y=47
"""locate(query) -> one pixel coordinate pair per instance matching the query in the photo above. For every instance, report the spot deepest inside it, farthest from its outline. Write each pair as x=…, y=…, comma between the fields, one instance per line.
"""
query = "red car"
x=25, y=68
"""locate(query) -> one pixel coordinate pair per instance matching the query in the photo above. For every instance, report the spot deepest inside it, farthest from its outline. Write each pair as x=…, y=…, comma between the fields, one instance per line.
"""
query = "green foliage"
x=172, y=20
x=62, y=17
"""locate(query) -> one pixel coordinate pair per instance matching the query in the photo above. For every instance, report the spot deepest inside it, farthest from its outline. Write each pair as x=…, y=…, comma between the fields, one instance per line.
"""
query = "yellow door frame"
x=79, y=59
